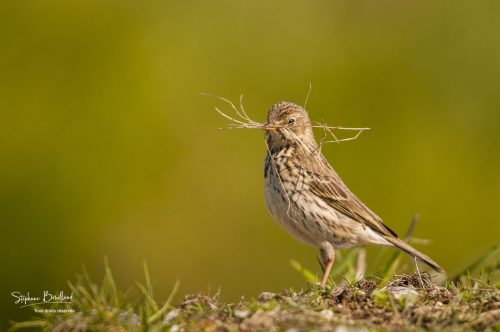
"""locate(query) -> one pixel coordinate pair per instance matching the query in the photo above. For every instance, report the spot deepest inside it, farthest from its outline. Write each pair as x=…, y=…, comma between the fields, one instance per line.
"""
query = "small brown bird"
x=307, y=197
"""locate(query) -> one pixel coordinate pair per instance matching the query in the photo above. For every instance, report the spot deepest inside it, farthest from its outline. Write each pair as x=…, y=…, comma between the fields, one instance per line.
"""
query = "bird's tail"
x=400, y=244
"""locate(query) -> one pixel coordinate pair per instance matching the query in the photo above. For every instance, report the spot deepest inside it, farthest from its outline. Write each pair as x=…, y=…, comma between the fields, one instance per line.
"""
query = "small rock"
x=171, y=315
x=129, y=318
x=327, y=314
x=242, y=314
x=399, y=291
x=293, y=329
x=346, y=328
x=265, y=296
x=174, y=328
x=405, y=295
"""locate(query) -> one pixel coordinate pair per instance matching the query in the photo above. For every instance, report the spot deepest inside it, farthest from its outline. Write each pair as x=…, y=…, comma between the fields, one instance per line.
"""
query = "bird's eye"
x=291, y=121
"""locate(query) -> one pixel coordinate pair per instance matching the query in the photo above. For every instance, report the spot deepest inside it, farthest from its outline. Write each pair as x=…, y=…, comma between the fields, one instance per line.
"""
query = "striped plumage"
x=307, y=197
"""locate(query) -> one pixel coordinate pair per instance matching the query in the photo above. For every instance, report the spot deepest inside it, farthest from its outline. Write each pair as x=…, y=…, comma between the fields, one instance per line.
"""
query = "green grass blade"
x=474, y=265
x=308, y=275
x=346, y=262
x=165, y=307
x=32, y=325
x=389, y=268
x=148, y=289
x=94, y=289
x=109, y=287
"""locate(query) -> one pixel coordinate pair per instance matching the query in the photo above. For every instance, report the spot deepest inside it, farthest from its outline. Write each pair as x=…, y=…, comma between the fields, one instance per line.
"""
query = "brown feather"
x=326, y=184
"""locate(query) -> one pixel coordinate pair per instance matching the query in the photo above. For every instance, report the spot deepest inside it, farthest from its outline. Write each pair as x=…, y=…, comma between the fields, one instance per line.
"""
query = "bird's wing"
x=326, y=184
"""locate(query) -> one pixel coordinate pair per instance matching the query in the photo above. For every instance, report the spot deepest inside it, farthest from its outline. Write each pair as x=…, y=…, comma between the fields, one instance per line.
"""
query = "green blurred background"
x=108, y=148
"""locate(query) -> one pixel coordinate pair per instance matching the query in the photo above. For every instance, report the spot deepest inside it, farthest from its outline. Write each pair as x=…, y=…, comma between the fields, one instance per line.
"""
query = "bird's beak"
x=269, y=127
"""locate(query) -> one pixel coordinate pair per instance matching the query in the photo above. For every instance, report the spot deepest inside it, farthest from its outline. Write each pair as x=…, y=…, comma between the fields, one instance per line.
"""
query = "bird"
x=304, y=194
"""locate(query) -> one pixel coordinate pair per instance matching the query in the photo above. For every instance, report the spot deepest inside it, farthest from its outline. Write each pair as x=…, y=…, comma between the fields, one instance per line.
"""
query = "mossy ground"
x=406, y=303
x=469, y=301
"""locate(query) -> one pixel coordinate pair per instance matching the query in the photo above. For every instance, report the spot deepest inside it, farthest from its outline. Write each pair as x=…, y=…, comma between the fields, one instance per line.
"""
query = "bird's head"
x=287, y=123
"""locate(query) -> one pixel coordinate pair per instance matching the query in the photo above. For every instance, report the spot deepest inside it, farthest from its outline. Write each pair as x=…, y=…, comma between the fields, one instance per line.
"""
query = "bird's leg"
x=327, y=256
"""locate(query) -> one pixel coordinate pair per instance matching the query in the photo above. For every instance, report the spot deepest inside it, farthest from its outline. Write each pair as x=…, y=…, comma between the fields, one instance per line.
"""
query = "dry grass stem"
x=422, y=242
x=308, y=94
x=361, y=264
x=241, y=120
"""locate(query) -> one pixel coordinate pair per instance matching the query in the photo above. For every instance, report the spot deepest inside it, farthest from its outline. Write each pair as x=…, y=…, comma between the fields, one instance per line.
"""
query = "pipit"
x=307, y=197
